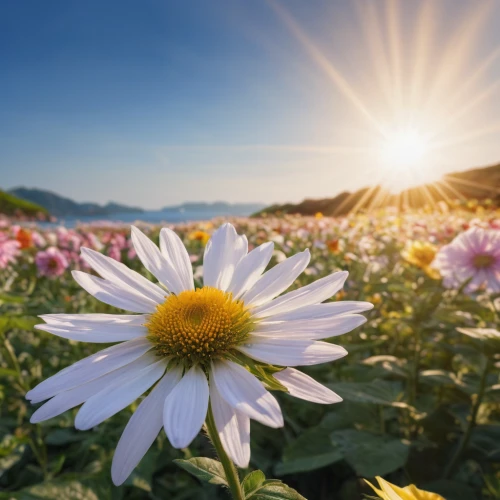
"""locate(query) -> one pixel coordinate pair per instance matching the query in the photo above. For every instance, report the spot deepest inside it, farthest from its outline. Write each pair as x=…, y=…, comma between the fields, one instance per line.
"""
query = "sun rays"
x=429, y=93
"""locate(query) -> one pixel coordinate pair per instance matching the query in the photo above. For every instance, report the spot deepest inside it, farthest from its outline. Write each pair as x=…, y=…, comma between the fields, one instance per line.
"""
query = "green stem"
x=15, y=363
x=472, y=421
x=231, y=473
x=415, y=367
x=413, y=380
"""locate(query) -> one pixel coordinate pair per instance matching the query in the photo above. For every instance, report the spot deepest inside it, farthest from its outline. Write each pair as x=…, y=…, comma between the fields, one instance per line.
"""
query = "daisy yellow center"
x=483, y=261
x=198, y=325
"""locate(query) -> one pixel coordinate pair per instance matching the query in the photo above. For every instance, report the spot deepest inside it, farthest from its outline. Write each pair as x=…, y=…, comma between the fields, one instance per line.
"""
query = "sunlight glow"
x=430, y=96
x=406, y=160
x=404, y=148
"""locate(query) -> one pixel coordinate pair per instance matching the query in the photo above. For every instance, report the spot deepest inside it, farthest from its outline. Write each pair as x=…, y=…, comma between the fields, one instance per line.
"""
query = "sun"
x=404, y=149
x=407, y=160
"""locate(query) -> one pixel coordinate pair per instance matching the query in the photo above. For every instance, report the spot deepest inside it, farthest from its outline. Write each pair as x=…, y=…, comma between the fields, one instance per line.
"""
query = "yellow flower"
x=199, y=236
x=421, y=254
x=318, y=215
x=390, y=491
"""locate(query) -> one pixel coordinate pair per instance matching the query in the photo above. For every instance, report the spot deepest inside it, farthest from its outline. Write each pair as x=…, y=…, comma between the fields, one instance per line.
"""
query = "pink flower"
x=131, y=254
x=9, y=250
x=38, y=239
x=475, y=255
x=115, y=253
x=51, y=262
x=93, y=242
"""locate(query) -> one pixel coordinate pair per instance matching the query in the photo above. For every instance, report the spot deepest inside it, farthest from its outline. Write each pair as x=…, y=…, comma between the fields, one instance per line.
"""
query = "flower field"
x=420, y=385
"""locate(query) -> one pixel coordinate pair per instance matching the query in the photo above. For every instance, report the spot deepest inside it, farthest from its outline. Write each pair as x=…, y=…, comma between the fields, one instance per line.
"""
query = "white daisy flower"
x=226, y=343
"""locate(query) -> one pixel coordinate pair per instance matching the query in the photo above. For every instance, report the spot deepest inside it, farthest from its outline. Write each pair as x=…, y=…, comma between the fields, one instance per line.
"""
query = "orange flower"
x=24, y=238
x=333, y=245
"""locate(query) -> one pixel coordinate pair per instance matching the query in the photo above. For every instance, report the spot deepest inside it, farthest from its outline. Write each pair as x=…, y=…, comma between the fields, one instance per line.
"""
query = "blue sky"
x=157, y=102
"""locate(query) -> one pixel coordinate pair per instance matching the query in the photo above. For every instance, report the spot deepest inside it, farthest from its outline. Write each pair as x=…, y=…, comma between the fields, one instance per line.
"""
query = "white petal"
x=310, y=329
x=223, y=252
x=186, y=408
x=175, y=252
x=293, y=352
x=327, y=310
x=114, y=295
x=250, y=269
x=233, y=428
x=84, y=320
x=155, y=263
x=115, y=397
x=89, y=368
x=95, y=327
x=302, y=386
x=277, y=279
x=314, y=293
x=142, y=428
x=121, y=275
x=245, y=393
x=78, y=395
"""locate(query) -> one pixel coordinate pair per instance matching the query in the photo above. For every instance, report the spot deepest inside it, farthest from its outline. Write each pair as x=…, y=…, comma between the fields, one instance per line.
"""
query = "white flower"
x=210, y=338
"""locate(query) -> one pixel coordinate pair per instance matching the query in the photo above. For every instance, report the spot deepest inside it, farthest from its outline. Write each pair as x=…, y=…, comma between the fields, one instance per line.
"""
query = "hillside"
x=60, y=206
x=219, y=207
x=479, y=183
x=17, y=207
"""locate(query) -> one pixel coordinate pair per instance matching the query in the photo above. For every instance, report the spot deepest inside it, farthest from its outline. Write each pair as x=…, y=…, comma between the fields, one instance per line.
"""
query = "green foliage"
x=371, y=454
x=275, y=490
x=253, y=482
x=205, y=469
x=11, y=205
x=381, y=392
x=254, y=486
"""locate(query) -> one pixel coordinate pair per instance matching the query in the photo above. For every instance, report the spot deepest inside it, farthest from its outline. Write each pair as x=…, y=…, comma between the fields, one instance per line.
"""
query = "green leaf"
x=205, y=469
x=23, y=322
x=7, y=372
x=12, y=299
x=440, y=378
x=253, y=482
x=382, y=392
x=312, y=450
x=20, y=322
x=485, y=439
x=60, y=437
x=273, y=489
x=455, y=490
x=489, y=336
x=370, y=454
x=390, y=364
x=54, y=490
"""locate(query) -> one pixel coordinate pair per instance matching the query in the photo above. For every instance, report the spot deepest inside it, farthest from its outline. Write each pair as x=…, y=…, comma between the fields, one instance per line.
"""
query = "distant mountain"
x=217, y=208
x=479, y=183
x=60, y=206
x=17, y=207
